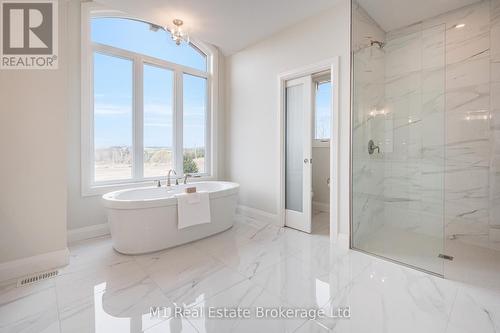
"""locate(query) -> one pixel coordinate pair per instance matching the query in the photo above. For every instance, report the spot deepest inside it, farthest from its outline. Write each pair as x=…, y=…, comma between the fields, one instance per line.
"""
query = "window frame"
x=318, y=79
x=89, y=186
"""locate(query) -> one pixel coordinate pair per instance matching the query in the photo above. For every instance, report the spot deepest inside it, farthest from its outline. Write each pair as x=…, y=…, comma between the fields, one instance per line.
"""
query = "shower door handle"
x=308, y=160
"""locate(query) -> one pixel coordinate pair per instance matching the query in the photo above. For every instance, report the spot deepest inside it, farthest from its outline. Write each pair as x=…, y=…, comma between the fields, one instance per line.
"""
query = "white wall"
x=320, y=175
x=82, y=211
x=252, y=149
x=33, y=134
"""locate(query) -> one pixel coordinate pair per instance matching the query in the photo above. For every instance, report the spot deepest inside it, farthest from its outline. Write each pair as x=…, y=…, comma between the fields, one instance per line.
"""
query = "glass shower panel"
x=294, y=148
x=398, y=142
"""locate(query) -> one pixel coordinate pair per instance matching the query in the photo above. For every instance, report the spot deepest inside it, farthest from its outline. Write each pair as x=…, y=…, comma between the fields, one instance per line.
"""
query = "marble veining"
x=429, y=99
x=103, y=291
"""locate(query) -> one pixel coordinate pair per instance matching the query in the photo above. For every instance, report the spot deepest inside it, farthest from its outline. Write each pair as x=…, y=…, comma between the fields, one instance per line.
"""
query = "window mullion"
x=178, y=121
x=208, y=128
x=138, y=123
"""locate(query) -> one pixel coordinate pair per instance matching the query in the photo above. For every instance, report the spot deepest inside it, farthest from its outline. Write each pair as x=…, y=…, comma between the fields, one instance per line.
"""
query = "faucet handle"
x=158, y=183
x=186, y=177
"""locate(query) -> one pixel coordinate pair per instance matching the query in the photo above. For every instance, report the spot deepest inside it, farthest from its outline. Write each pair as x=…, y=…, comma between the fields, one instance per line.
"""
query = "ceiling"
x=231, y=25
x=394, y=14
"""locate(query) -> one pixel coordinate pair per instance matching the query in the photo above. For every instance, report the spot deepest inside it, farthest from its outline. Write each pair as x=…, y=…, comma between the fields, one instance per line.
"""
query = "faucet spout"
x=168, y=176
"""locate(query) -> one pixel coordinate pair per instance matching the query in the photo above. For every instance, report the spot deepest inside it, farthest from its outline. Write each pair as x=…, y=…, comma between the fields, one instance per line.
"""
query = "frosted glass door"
x=298, y=154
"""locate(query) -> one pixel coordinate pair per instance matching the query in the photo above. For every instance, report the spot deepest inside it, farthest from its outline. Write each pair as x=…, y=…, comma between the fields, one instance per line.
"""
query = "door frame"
x=331, y=64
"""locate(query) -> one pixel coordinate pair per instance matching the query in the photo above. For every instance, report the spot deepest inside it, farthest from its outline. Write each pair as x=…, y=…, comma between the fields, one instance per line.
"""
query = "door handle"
x=307, y=160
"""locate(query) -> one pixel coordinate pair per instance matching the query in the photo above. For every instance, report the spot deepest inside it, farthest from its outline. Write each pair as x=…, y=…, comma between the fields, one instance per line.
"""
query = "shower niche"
x=425, y=136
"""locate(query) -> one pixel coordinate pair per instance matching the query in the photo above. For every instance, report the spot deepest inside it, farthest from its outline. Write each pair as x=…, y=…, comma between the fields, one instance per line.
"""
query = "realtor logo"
x=29, y=34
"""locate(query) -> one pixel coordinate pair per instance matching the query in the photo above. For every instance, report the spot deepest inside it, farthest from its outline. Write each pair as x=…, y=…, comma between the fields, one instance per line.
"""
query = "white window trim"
x=317, y=80
x=321, y=143
x=88, y=187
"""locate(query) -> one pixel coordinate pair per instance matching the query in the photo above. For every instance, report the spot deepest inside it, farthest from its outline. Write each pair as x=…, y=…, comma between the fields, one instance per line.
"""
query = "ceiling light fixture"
x=459, y=26
x=376, y=112
x=178, y=35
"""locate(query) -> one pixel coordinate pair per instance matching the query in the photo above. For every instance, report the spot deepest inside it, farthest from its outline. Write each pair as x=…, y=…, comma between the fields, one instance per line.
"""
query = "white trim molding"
x=342, y=241
x=92, y=231
x=39, y=263
x=258, y=214
x=332, y=65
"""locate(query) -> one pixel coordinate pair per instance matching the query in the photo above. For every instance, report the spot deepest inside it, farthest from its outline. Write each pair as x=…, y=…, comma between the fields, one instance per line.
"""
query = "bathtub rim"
x=110, y=202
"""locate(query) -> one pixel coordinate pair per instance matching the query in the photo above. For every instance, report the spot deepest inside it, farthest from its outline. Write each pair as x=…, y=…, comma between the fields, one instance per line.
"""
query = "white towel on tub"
x=192, y=209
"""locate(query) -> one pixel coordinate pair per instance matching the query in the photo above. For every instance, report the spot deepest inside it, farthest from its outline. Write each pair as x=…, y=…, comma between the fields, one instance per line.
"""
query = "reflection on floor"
x=473, y=264
x=321, y=223
x=252, y=264
x=405, y=246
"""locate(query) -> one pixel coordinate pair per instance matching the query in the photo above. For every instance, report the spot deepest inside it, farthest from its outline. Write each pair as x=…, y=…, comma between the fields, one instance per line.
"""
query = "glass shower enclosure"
x=424, y=141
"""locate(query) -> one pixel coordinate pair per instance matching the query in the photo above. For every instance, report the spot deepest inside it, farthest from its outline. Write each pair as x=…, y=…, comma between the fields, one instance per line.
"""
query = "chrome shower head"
x=376, y=42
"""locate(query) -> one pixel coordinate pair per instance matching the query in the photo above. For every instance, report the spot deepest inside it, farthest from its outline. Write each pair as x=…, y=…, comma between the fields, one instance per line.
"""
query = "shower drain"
x=445, y=256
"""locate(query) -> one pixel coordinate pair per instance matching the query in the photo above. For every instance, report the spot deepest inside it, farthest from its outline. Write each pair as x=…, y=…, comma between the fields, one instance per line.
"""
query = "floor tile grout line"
x=157, y=287
x=223, y=265
x=351, y=281
x=309, y=320
x=245, y=279
x=221, y=291
x=452, y=308
x=57, y=305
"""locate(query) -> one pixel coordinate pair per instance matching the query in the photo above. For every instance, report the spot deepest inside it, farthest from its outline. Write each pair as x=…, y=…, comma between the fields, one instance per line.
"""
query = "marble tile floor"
x=320, y=223
x=405, y=246
x=471, y=264
x=251, y=265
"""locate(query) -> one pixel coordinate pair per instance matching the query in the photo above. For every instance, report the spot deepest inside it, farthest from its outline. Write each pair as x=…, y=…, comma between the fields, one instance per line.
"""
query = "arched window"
x=149, y=103
x=147, y=39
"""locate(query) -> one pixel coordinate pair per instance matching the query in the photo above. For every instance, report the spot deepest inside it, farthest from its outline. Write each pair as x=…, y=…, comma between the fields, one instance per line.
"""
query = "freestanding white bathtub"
x=145, y=219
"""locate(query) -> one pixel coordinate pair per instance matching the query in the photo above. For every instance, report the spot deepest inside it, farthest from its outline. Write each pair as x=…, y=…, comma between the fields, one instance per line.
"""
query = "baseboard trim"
x=257, y=214
x=321, y=206
x=39, y=263
x=343, y=241
x=92, y=231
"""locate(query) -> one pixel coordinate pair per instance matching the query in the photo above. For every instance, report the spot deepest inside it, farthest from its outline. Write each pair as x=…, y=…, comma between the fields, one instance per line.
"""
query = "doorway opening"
x=309, y=147
x=321, y=136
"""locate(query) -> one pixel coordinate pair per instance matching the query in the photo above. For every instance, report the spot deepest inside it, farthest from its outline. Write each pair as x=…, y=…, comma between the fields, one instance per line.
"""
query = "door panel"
x=298, y=170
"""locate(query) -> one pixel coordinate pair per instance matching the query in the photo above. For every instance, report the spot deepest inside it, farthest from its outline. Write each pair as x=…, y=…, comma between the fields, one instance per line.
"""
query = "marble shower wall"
x=431, y=99
x=468, y=125
x=414, y=99
x=463, y=141
x=494, y=231
x=368, y=173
